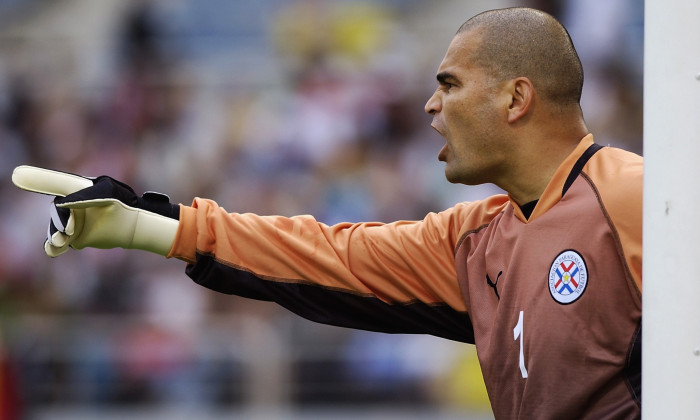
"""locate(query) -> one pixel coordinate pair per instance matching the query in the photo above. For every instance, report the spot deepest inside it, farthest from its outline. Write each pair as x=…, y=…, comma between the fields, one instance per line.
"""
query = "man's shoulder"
x=616, y=168
x=617, y=177
x=487, y=207
x=474, y=215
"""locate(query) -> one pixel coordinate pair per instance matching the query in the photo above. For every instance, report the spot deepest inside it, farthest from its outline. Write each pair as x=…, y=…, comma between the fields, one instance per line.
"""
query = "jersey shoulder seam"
x=616, y=235
x=472, y=232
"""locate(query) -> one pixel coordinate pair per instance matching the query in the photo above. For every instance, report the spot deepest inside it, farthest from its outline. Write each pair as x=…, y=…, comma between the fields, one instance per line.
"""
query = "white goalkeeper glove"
x=100, y=212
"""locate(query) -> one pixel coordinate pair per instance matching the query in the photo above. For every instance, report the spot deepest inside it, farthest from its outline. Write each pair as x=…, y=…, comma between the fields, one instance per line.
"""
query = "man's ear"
x=522, y=96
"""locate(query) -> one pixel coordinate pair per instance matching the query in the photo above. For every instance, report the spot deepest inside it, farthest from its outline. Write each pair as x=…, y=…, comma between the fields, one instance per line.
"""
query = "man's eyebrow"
x=445, y=77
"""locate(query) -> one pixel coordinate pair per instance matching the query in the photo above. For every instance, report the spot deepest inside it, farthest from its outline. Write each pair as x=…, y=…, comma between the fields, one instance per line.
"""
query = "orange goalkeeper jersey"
x=552, y=302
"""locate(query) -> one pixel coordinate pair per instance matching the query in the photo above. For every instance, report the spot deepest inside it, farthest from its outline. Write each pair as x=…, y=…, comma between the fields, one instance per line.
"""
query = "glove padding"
x=100, y=213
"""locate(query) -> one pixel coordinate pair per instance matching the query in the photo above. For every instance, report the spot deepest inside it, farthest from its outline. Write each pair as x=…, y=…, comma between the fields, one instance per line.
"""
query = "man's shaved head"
x=523, y=42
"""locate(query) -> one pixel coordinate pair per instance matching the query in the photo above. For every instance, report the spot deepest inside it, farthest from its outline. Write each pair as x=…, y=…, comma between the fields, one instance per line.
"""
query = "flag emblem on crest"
x=568, y=277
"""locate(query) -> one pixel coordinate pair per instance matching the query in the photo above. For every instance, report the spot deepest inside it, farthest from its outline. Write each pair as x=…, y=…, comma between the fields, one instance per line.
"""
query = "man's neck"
x=536, y=167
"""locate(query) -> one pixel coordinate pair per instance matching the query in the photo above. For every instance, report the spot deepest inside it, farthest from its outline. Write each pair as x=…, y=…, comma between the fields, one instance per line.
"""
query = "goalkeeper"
x=546, y=280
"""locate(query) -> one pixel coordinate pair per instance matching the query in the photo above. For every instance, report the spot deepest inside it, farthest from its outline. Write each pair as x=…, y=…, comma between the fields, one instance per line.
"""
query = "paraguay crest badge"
x=568, y=277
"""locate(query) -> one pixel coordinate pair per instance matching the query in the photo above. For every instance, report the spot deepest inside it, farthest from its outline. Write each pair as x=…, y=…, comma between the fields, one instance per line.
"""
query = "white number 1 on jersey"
x=518, y=333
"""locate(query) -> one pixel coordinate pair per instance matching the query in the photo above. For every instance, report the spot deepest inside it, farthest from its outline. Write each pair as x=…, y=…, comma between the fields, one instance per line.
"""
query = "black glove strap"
x=160, y=204
x=108, y=187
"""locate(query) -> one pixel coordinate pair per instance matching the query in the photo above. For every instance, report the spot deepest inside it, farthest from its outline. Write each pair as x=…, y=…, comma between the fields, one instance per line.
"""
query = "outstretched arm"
x=397, y=277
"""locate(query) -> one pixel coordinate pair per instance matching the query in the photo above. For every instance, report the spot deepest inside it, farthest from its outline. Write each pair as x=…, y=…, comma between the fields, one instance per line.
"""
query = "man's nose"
x=434, y=104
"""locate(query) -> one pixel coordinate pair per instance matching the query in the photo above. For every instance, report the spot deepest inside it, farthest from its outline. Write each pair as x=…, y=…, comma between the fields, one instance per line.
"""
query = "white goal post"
x=671, y=247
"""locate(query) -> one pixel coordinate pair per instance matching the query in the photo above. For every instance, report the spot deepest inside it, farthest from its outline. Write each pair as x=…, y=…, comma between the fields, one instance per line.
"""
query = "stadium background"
x=267, y=106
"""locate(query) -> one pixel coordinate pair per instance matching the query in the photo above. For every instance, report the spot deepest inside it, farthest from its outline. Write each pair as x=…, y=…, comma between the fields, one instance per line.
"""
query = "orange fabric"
x=622, y=201
x=397, y=262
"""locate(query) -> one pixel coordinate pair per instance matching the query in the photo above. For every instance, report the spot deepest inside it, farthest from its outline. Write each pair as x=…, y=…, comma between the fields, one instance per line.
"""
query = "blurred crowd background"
x=267, y=106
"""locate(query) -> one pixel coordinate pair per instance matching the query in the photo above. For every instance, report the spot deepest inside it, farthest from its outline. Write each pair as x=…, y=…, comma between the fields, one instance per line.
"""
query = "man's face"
x=466, y=113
